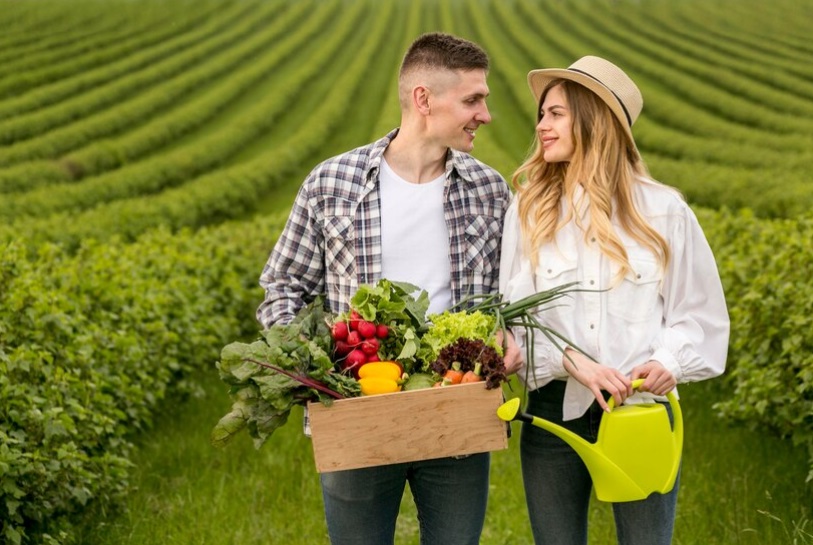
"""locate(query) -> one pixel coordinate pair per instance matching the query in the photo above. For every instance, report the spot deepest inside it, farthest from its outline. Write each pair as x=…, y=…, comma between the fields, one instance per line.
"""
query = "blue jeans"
x=558, y=486
x=361, y=505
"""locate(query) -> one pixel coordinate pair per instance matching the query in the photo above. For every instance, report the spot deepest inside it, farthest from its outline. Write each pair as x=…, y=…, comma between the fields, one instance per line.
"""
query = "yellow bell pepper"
x=378, y=385
x=383, y=369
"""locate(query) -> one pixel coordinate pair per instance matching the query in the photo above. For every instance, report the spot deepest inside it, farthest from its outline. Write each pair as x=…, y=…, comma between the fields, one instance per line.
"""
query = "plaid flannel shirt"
x=331, y=242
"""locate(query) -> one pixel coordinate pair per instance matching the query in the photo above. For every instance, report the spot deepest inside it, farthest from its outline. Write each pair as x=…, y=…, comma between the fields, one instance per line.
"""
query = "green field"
x=150, y=150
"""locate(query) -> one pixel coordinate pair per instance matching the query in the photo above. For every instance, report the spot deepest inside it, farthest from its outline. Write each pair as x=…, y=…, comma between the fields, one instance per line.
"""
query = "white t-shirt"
x=414, y=236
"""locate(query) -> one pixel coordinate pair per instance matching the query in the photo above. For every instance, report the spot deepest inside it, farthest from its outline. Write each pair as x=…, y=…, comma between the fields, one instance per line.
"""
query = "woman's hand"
x=657, y=379
x=597, y=377
x=512, y=359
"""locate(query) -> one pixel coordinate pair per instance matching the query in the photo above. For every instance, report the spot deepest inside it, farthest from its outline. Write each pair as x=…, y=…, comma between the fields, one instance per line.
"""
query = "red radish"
x=354, y=361
x=353, y=338
x=370, y=346
x=355, y=318
x=381, y=331
x=366, y=329
x=340, y=331
x=342, y=348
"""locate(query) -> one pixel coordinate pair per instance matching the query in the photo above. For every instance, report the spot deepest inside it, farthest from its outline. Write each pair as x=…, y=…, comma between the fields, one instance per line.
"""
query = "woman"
x=587, y=211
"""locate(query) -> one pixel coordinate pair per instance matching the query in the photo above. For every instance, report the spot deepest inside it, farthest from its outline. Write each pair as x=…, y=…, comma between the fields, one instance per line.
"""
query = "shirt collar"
x=376, y=154
x=455, y=160
x=460, y=162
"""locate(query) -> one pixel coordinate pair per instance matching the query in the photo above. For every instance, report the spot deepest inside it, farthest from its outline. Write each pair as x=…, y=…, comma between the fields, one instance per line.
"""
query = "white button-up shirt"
x=677, y=317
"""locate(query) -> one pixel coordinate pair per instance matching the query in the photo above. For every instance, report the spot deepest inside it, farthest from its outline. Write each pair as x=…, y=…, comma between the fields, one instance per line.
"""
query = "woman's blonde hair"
x=606, y=164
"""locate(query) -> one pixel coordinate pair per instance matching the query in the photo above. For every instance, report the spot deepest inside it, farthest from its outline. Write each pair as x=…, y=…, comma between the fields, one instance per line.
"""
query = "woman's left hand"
x=657, y=379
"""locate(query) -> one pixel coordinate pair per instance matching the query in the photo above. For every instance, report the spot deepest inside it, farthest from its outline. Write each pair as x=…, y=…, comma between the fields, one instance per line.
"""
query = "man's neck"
x=415, y=160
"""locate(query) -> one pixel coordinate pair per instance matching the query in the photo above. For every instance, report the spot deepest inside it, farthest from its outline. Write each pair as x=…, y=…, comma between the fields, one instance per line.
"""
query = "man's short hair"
x=437, y=50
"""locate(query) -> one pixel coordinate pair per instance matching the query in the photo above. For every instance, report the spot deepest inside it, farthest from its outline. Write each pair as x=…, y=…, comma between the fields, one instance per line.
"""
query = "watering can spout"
x=510, y=410
x=637, y=451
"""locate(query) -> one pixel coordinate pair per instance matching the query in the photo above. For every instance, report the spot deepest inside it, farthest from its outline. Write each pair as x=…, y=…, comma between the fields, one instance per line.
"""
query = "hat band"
x=623, y=107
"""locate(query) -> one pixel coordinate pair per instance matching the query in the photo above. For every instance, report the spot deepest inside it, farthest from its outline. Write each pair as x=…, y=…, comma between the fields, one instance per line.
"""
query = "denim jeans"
x=361, y=505
x=558, y=486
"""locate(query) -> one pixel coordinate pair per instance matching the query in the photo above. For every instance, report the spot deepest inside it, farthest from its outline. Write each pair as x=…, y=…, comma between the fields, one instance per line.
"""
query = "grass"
x=738, y=487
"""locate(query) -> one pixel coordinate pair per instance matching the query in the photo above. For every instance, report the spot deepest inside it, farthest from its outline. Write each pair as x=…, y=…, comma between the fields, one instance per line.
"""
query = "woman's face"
x=555, y=128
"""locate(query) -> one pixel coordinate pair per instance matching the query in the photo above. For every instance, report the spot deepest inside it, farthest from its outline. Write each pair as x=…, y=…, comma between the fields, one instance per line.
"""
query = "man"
x=411, y=207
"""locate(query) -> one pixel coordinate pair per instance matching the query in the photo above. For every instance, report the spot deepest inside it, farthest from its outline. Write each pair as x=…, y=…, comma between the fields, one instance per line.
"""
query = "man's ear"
x=420, y=99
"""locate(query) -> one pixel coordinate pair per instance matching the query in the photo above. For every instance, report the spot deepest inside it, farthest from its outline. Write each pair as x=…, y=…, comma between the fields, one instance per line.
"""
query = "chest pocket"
x=637, y=297
x=340, y=245
x=554, y=270
x=482, y=243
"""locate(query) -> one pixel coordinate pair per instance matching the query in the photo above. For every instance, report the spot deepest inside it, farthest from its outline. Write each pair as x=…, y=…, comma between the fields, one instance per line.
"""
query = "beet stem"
x=311, y=383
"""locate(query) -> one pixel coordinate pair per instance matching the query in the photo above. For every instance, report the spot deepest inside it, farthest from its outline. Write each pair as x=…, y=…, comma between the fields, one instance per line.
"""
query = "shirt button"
x=593, y=239
x=592, y=282
x=592, y=326
x=638, y=276
x=550, y=271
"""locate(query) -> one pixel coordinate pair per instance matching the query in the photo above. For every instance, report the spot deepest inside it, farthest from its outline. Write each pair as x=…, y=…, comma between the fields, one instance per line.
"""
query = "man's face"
x=457, y=103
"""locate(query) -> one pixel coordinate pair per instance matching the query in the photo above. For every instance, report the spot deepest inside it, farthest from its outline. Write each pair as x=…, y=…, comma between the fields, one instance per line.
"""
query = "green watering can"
x=637, y=451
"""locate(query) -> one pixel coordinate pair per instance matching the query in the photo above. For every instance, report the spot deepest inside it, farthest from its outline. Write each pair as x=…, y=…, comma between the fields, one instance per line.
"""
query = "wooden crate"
x=407, y=426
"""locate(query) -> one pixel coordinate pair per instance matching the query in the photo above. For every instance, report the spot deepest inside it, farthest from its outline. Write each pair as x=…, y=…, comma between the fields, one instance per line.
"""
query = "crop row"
x=50, y=82
x=676, y=125
x=219, y=195
x=781, y=26
x=30, y=29
x=109, y=154
x=668, y=121
x=117, y=36
x=707, y=164
x=765, y=191
x=657, y=141
x=390, y=114
x=558, y=45
x=158, y=79
x=630, y=50
x=763, y=84
x=690, y=42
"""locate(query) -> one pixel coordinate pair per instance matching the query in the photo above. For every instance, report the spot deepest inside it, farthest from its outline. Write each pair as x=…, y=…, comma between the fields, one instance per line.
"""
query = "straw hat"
x=602, y=77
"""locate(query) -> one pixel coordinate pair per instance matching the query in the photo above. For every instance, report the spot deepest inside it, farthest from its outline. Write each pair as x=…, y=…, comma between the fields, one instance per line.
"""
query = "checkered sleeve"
x=294, y=273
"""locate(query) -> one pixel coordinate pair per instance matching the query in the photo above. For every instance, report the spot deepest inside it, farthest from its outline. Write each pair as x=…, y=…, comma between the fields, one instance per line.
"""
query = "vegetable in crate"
x=483, y=317
x=380, y=377
x=356, y=342
x=290, y=365
x=384, y=323
x=447, y=327
x=471, y=355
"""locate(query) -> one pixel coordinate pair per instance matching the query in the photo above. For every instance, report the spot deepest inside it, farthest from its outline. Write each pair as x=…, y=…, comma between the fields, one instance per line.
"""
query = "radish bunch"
x=357, y=341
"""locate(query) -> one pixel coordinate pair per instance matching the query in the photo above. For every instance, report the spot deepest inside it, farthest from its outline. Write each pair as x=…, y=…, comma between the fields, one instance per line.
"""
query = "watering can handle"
x=637, y=384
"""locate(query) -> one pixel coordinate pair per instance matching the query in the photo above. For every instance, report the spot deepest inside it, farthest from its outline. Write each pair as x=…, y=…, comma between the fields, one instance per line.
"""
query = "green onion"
x=520, y=313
